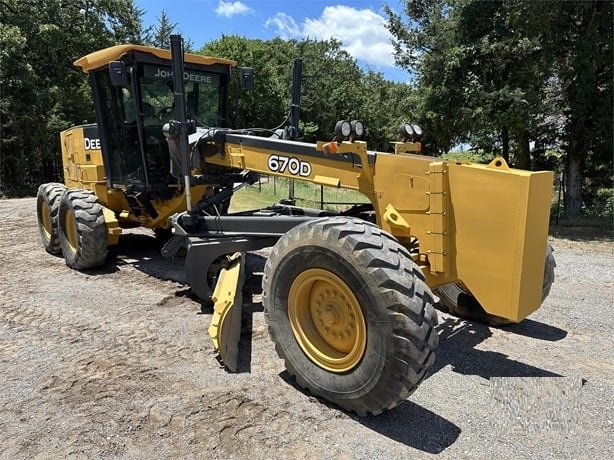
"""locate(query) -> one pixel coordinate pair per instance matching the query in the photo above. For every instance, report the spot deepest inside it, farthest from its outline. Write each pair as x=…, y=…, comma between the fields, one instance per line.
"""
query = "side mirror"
x=117, y=71
x=247, y=77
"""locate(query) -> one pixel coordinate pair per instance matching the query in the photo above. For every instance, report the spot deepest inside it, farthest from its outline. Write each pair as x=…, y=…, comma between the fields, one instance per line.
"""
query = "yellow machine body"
x=84, y=169
x=83, y=159
x=483, y=225
x=345, y=303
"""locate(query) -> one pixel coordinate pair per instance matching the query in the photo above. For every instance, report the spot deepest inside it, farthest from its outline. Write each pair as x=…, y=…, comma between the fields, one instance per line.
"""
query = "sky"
x=357, y=24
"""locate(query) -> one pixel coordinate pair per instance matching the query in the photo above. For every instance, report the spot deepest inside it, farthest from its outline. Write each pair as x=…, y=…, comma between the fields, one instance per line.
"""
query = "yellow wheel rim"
x=46, y=219
x=70, y=226
x=327, y=320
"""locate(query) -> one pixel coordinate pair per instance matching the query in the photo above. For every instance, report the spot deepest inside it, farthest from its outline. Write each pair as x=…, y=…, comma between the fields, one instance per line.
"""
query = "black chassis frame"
x=209, y=238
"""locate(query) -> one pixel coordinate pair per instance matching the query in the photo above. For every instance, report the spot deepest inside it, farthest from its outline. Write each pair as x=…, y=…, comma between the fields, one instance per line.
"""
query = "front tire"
x=47, y=210
x=349, y=313
x=83, y=233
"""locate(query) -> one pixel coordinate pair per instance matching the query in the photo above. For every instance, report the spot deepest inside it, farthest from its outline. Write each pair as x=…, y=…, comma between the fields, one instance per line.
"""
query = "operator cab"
x=133, y=94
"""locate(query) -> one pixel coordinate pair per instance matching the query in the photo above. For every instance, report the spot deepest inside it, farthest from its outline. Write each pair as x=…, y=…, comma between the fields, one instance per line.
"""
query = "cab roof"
x=101, y=58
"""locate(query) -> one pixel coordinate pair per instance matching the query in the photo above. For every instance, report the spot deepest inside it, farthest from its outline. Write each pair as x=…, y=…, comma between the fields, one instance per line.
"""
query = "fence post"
x=321, y=197
x=558, y=204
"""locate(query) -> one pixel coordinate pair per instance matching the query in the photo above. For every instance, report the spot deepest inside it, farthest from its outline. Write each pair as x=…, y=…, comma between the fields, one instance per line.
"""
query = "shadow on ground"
x=578, y=231
x=459, y=338
x=142, y=251
x=408, y=423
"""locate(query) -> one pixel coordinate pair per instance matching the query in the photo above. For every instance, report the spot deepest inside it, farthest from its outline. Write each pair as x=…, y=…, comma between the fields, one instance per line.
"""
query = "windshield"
x=202, y=90
x=131, y=119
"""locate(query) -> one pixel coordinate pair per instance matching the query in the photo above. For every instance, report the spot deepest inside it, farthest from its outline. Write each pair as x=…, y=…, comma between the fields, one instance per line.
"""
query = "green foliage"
x=266, y=104
x=599, y=204
x=42, y=93
x=476, y=156
x=333, y=88
x=159, y=35
x=504, y=75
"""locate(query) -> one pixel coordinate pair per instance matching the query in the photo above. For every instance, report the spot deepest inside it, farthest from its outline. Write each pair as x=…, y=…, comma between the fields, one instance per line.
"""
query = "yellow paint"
x=225, y=328
x=499, y=227
x=327, y=320
x=396, y=221
x=102, y=58
x=84, y=169
x=483, y=225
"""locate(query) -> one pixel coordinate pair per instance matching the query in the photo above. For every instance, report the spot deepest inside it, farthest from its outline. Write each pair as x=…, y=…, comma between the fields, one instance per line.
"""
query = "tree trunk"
x=523, y=158
x=574, y=180
x=505, y=143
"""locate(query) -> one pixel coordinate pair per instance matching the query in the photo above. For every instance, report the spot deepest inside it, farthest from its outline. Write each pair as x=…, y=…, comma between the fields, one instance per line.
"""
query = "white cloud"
x=285, y=24
x=229, y=9
x=362, y=32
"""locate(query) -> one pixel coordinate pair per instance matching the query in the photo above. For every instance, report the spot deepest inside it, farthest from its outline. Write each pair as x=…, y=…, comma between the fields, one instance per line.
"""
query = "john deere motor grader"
x=347, y=295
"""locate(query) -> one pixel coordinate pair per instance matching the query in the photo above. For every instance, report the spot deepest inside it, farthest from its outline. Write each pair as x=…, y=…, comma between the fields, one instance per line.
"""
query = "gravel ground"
x=117, y=364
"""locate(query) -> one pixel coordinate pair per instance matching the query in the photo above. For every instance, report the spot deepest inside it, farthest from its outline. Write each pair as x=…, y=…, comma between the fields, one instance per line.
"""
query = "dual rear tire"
x=47, y=209
x=71, y=223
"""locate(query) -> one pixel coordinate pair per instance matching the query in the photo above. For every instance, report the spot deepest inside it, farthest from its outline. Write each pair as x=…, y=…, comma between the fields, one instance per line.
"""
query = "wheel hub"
x=46, y=218
x=70, y=227
x=327, y=320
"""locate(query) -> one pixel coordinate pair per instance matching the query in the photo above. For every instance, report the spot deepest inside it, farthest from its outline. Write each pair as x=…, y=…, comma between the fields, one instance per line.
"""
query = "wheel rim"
x=46, y=219
x=327, y=320
x=70, y=226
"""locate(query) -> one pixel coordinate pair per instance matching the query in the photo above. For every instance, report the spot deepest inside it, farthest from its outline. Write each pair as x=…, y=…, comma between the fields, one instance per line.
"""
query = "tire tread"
x=408, y=305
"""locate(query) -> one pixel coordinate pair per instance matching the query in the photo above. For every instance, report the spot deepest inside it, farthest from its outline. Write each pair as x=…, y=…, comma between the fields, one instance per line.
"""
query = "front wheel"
x=83, y=233
x=350, y=313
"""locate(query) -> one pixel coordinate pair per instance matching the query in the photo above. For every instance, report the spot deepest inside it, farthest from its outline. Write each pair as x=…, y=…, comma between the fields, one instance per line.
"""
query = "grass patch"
x=271, y=190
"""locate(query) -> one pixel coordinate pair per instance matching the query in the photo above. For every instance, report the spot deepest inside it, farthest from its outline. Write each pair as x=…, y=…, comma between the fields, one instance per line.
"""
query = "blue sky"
x=358, y=24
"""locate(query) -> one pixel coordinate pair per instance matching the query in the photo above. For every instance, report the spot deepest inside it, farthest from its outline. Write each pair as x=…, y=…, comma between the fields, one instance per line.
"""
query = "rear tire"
x=47, y=210
x=457, y=299
x=349, y=313
x=83, y=233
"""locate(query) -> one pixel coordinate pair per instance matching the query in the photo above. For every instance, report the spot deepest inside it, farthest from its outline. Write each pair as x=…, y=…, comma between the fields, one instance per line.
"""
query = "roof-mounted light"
x=343, y=129
x=410, y=132
x=358, y=128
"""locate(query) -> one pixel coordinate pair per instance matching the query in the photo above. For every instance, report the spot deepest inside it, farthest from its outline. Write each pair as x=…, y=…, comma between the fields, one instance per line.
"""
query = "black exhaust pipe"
x=185, y=126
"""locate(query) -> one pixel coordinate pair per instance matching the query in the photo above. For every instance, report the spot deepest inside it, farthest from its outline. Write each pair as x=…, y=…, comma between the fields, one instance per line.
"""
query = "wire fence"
x=598, y=196
x=308, y=194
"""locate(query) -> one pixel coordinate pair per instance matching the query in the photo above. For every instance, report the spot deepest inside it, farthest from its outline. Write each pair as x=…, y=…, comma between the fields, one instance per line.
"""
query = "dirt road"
x=117, y=364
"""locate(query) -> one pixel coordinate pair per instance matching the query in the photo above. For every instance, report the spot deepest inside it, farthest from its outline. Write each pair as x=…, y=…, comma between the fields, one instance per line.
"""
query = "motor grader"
x=348, y=295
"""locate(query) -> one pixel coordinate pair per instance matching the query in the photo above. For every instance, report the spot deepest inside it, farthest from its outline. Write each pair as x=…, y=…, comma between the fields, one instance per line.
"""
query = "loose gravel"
x=117, y=363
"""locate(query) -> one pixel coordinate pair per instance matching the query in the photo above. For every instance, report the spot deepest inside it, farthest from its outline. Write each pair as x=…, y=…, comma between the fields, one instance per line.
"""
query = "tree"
x=478, y=73
x=580, y=40
x=159, y=35
x=266, y=104
x=42, y=93
x=487, y=71
x=384, y=105
x=333, y=87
